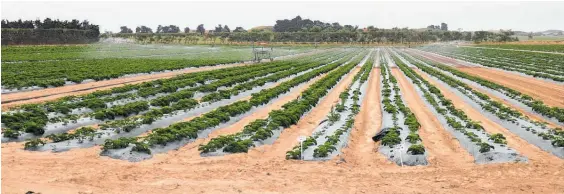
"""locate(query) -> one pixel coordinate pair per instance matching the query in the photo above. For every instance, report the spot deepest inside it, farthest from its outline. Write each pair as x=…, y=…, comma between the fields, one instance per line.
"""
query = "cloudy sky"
x=525, y=16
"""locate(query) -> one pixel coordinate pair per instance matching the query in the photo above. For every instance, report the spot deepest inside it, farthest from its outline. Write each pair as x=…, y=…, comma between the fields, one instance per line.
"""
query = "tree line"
x=175, y=29
x=49, y=31
x=296, y=29
x=306, y=30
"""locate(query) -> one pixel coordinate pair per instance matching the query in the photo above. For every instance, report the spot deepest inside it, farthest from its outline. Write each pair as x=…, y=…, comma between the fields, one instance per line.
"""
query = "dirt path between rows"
x=442, y=147
x=37, y=96
x=507, y=103
x=361, y=149
x=550, y=93
x=307, y=123
x=530, y=151
x=83, y=170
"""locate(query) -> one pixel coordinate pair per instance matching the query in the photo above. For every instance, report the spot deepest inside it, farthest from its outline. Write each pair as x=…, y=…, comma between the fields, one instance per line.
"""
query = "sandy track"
x=62, y=173
x=532, y=152
x=550, y=93
x=361, y=149
x=307, y=123
x=443, y=148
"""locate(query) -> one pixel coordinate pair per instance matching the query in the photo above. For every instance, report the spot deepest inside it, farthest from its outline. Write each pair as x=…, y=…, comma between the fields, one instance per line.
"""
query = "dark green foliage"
x=32, y=144
x=416, y=149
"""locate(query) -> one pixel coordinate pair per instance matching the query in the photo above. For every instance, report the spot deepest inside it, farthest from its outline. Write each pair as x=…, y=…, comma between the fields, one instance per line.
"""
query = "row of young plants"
x=112, y=129
x=100, y=99
x=395, y=106
x=324, y=141
x=537, y=105
x=537, y=68
x=32, y=118
x=50, y=53
x=548, y=66
x=291, y=112
x=224, y=94
x=554, y=135
x=532, y=47
x=456, y=118
x=185, y=104
x=58, y=73
x=190, y=129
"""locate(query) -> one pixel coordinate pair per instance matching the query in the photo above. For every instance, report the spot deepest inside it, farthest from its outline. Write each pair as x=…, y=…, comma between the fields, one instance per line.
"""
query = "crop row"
x=456, y=118
x=20, y=120
x=325, y=141
x=395, y=106
x=543, y=47
x=130, y=123
x=290, y=114
x=555, y=135
x=536, y=105
x=542, y=65
x=190, y=129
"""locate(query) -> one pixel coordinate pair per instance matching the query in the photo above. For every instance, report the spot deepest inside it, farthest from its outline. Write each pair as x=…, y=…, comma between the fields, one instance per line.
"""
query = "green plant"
x=485, y=147
x=416, y=149
x=413, y=138
x=34, y=143
x=498, y=138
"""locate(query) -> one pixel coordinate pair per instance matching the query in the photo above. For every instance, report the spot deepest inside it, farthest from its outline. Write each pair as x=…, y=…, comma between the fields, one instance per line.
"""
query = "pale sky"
x=523, y=16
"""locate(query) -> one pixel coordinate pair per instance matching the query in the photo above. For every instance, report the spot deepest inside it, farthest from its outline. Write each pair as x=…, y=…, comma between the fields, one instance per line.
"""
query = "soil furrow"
x=307, y=123
x=532, y=152
x=443, y=148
